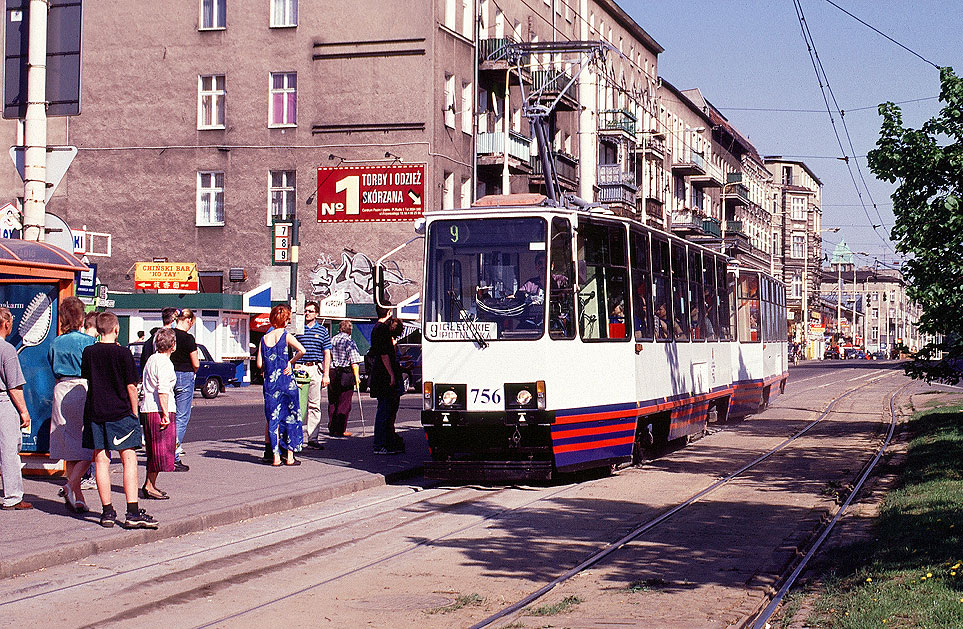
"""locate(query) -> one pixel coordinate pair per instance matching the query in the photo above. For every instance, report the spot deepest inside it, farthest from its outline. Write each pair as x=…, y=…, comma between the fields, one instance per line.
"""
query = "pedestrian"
x=69, y=397
x=384, y=383
x=90, y=323
x=186, y=360
x=345, y=376
x=140, y=336
x=316, y=362
x=281, y=400
x=157, y=411
x=13, y=418
x=110, y=419
x=167, y=320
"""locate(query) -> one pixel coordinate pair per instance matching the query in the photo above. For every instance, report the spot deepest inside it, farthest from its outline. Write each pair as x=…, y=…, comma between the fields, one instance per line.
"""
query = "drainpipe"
x=35, y=125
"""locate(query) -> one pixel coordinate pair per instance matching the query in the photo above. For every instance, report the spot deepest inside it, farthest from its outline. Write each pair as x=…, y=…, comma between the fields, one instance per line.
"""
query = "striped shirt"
x=344, y=351
x=315, y=340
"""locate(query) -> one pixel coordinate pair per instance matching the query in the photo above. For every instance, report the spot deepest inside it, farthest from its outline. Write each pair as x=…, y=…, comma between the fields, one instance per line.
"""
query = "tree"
x=927, y=165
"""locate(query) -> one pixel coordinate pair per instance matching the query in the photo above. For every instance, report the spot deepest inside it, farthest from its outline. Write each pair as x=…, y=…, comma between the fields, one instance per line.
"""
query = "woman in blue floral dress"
x=281, y=401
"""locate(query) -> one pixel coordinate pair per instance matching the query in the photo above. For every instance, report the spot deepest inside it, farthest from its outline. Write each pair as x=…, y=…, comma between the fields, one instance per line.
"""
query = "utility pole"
x=35, y=125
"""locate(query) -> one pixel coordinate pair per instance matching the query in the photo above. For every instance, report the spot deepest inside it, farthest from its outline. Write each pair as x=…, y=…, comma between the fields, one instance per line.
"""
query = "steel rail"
x=643, y=528
x=761, y=621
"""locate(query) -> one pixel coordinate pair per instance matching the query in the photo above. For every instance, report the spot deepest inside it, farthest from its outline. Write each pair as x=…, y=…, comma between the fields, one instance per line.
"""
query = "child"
x=110, y=418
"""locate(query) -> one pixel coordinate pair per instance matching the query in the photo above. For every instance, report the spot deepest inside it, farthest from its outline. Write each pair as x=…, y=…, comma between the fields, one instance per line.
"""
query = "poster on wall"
x=34, y=310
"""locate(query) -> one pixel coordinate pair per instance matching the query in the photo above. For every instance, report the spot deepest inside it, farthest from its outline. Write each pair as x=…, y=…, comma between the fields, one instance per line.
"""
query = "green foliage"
x=927, y=165
x=551, y=610
x=462, y=600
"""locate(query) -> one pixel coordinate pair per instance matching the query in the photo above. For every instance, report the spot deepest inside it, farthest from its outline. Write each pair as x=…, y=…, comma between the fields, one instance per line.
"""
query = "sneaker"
x=108, y=519
x=313, y=443
x=88, y=483
x=140, y=520
x=181, y=467
x=381, y=451
x=20, y=506
x=179, y=451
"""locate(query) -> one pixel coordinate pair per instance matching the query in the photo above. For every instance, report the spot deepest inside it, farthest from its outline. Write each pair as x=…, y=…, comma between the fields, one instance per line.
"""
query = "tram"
x=563, y=338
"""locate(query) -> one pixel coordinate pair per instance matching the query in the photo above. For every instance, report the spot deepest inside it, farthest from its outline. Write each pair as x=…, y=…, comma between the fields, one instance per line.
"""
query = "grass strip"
x=910, y=574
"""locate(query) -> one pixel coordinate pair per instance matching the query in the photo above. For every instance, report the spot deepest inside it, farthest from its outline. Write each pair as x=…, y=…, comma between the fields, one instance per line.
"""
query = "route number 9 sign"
x=371, y=193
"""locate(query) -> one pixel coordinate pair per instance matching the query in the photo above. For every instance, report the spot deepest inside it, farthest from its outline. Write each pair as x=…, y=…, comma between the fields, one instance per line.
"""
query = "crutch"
x=357, y=390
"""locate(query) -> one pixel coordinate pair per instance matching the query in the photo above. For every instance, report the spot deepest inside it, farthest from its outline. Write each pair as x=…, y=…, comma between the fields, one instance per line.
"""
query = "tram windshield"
x=486, y=279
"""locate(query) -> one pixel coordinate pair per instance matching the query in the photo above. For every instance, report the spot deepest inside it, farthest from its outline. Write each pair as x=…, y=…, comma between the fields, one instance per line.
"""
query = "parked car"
x=409, y=357
x=831, y=352
x=212, y=376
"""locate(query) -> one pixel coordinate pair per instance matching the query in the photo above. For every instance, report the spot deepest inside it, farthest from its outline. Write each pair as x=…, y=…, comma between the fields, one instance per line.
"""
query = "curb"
x=79, y=550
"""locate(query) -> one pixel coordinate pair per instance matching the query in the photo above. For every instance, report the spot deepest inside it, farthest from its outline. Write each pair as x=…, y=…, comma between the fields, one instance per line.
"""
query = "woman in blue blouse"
x=69, y=396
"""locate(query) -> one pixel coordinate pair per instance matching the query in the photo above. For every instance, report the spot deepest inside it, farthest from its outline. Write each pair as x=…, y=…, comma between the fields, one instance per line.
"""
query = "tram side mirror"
x=582, y=272
x=420, y=224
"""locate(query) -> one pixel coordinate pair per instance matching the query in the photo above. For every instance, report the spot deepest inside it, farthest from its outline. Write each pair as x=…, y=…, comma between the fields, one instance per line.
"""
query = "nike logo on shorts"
x=117, y=441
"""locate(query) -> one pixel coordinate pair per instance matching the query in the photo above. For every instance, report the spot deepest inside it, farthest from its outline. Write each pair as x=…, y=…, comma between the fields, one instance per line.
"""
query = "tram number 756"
x=487, y=396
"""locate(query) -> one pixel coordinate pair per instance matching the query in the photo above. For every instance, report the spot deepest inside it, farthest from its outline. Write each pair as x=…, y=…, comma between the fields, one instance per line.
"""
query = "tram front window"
x=486, y=279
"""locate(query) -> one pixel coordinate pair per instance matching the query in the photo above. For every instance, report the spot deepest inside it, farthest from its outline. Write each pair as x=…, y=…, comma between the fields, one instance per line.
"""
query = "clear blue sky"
x=751, y=54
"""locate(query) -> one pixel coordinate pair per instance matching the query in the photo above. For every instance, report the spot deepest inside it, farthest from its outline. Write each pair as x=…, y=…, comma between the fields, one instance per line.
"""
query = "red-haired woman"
x=281, y=402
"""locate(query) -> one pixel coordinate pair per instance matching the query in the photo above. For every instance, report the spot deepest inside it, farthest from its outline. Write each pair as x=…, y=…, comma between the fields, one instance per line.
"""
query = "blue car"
x=212, y=376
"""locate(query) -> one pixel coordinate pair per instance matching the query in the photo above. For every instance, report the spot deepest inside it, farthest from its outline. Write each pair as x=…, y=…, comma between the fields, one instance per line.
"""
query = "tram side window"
x=680, y=296
x=748, y=308
x=725, y=292
x=660, y=285
x=710, y=296
x=603, y=282
x=641, y=285
x=561, y=305
x=697, y=303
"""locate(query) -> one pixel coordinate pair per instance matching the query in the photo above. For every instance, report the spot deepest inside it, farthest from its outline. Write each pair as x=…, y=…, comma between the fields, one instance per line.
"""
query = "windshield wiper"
x=475, y=332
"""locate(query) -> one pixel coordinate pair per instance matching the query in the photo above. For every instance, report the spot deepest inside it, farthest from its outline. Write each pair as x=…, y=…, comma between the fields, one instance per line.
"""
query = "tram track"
x=434, y=493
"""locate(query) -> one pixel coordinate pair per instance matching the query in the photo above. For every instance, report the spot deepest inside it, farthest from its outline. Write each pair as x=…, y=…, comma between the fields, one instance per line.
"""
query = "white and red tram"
x=557, y=339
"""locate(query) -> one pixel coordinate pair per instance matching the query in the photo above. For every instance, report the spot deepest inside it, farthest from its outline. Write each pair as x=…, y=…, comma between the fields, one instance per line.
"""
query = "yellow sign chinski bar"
x=166, y=275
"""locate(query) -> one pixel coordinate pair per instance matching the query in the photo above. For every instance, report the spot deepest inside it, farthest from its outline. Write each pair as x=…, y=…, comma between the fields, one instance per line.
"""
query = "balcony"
x=734, y=227
x=491, y=148
x=687, y=221
x=552, y=82
x=654, y=147
x=712, y=227
x=617, y=195
x=735, y=189
x=492, y=54
x=654, y=210
x=616, y=186
x=617, y=122
x=693, y=164
x=712, y=178
x=566, y=167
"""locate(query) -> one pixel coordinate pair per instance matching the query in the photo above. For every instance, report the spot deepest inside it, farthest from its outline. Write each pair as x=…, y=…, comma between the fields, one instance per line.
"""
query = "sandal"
x=293, y=463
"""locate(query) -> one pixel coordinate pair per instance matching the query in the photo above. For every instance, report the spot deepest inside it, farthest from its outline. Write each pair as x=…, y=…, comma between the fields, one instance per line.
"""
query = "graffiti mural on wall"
x=353, y=275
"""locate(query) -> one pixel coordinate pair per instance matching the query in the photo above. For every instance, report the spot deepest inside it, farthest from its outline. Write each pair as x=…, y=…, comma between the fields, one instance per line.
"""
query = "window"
x=467, y=24
x=466, y=192
x=798, y=208
x=466, y=112
x=450, y=100
x=660, y=284
x=210, y=199
x=679, y=324
x=561, y=305
x=282, y=192
x=796, y=287
x=787, y=175
x=603, y=283
x=799, y=246
x=284, y=13
x=450, y=14
x=284, y=99
x=641, y=285
x=448, y=191
x=698, y=198
x=747, y=314
x=710, y=296
x=679, y=187
x=213, y=15
x=210, y=101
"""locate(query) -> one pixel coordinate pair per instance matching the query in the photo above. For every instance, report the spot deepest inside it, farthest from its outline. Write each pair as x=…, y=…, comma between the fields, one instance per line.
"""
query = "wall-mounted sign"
x=333, y=307
x=281, y=235
x=371, y=193
x=178, y=276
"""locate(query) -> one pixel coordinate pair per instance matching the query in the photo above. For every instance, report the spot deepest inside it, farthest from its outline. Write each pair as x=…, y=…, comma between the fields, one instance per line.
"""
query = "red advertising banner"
x=371, y=193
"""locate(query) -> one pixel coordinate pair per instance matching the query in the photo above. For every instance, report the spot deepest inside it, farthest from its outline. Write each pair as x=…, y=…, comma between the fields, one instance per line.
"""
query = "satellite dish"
x=57, y=233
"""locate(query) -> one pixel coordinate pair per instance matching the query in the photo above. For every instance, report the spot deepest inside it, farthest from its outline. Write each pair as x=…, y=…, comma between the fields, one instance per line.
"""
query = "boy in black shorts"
x=110, y=418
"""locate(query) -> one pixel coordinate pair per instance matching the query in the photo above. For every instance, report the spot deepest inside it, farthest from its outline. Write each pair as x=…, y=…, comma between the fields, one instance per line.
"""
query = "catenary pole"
x=35, y=125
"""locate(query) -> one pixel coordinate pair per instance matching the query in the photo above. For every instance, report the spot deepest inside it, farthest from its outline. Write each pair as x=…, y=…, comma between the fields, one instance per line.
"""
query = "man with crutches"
x=345, y=361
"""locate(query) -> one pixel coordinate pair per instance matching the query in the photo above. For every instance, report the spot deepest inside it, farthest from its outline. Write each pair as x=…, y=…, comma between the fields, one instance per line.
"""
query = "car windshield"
x=486, y=279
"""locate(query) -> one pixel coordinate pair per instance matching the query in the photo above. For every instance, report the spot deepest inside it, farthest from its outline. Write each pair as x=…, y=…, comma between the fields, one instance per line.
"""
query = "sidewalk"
x=227, y=483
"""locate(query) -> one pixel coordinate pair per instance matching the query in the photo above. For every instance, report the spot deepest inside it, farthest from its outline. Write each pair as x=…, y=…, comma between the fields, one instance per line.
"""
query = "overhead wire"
x=873, y=28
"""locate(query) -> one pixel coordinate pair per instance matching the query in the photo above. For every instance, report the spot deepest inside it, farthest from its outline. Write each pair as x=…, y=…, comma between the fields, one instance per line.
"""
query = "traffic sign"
x=177, y=276
x=87, y=281
x=371, y=193
x=58, y=160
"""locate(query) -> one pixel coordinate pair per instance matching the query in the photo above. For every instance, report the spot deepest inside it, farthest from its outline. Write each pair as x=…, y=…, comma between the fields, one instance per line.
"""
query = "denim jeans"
x=183, y=399
x=384, y=428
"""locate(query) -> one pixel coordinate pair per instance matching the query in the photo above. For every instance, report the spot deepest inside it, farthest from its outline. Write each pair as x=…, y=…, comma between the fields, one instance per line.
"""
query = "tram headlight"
x=523, y=397
x=449, y=398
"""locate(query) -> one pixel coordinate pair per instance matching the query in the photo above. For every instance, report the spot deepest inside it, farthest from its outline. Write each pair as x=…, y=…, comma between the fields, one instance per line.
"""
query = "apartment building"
x=797, y=236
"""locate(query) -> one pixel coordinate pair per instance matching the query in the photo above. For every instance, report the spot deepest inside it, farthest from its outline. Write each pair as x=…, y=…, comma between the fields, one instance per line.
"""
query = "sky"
x=750, y=54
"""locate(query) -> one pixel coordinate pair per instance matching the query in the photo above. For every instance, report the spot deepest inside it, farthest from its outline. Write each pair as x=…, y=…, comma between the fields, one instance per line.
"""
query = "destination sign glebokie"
x=179, y=276
x=371, y=193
